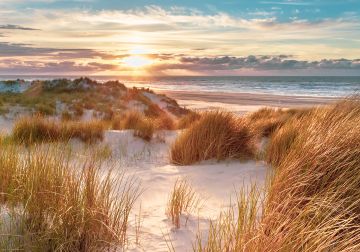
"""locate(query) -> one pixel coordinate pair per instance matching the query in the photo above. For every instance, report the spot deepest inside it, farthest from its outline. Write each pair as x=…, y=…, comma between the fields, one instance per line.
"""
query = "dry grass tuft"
x=164, y=122
x=130, y=120
x=281, y=141
x=153, y=110
x=89, y=131
x=59, y=205
x=218, y=134
x=66, y=116
x=35, y=129
x=312, y=203
x=236, y=228
x=187, y=120
x=183, y=200
x=143, y=127
x=267, y=120
x=138, y=226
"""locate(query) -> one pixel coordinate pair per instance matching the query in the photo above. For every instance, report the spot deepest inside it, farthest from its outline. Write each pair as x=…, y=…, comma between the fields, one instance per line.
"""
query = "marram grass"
x=37, y=129
x=183, y=199
x=57, y=204
x=144, y=127
x=216, y=135
x=312, y=202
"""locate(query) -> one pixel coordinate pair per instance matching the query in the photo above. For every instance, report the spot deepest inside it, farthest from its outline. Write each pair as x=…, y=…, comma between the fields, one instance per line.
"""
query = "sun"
x=137, y=61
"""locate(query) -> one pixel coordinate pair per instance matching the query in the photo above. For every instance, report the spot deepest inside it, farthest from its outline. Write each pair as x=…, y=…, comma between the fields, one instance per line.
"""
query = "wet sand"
x=247, y=99
x=243, y=102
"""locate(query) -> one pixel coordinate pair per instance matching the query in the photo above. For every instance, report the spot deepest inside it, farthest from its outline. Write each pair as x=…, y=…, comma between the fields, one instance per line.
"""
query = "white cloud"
x=179, y=30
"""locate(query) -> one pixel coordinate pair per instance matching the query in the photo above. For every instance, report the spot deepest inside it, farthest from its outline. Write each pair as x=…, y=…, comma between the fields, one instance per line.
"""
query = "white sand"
x=250, y=99
x=205, y=105
x=214, y=181
x=6, y=125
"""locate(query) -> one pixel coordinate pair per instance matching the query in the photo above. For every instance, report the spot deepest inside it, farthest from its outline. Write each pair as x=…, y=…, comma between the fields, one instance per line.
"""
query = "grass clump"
x=45, y=109
x=143, y=127
x=312, y=202
x=235, y=229
x=130, y=120
x=183, y=200
x=153, y=110
x=35, y=129
x=164, y=122
x=187, y=120
x=60, y=205
x=78, y=109
x=267, y=120
x=66, y=115
x=86, y=131
x=218, y=134
x=281, y=141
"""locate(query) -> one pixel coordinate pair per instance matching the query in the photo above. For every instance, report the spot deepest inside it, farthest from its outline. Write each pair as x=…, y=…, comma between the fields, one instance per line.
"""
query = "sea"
x=316, y=86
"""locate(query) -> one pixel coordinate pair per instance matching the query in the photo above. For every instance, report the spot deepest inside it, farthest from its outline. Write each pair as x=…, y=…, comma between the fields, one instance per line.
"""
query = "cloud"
x=154, y=18
x=179, y=38
x=256, y=63
x=40, y=67
x=265, y=63
x=25, y=50
x=16, y=27
x=199, y=65
x=180, y=29
x=24, y=58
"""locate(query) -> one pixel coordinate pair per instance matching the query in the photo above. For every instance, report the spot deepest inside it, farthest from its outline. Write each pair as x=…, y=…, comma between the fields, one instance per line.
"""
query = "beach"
x=243, y=102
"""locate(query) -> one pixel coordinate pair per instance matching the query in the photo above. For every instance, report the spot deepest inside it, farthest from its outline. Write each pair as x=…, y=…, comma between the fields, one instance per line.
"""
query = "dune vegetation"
x=37, y=128
x=73, y=98
x=312, y=202
x=281, y=141
x=182, y=200
x=143, y=126
x=165, y=122
x=53, y=199
x=216, y=135
x=188, y=119
x=54, y=204
x=34, y=129
x=74, y=101
x=267, y=120
x=319, y=176
x=236, y=227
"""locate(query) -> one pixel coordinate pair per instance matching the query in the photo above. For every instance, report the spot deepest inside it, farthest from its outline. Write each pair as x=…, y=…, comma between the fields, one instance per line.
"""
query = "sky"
x=173, y=37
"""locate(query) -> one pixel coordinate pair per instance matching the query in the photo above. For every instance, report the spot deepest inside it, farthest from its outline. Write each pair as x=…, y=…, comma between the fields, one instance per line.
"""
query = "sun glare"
x=136, y=61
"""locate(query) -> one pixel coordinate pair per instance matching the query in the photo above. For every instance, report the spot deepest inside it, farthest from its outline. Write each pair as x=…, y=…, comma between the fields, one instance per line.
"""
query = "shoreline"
x=244, y=102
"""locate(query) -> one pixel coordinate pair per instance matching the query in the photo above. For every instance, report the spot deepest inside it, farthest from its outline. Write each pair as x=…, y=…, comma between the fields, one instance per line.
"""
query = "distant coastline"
x=299, y=86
